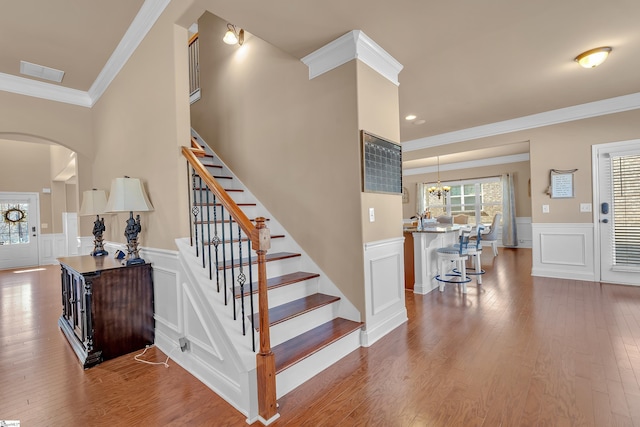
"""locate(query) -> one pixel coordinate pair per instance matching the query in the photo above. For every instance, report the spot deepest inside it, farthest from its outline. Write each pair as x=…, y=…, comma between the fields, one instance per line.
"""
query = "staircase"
x=310, y=324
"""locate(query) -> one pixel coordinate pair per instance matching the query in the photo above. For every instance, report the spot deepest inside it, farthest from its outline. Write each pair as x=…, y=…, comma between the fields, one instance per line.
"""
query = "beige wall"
x=33, y=120
x=520, y=170
x=378, y=107
x=293, y=141
x=24, y=167
x=138, y=126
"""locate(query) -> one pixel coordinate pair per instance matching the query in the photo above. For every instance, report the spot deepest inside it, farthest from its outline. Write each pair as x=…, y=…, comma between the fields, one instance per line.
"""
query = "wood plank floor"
x=519, y=351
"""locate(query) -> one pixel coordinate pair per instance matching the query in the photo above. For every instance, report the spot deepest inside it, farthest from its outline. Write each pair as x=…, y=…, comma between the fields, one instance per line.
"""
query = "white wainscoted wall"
x=564, y=251
x=384, y=288
x=180, y=312
x=52, y=246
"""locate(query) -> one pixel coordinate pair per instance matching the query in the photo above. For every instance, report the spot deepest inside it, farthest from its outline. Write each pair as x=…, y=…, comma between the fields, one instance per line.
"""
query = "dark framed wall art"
x=381, y=164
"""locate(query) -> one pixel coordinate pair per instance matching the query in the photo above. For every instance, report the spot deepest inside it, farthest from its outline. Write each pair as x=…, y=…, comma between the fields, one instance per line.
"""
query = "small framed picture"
x=561, y=185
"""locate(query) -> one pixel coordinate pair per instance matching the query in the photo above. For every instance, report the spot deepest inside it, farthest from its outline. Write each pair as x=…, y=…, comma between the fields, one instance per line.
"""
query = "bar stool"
x=474, y=249
x=457, y=254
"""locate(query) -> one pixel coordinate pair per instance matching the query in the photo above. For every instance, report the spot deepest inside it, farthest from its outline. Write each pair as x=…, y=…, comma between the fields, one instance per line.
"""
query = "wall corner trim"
x=353, y=45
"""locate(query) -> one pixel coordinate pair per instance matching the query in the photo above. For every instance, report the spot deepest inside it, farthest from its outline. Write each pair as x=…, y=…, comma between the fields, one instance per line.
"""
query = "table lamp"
x=93, y=203
x=128, y=195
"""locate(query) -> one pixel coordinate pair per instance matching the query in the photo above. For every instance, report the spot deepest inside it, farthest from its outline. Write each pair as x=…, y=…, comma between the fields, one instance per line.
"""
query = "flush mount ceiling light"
x=232, y=36
x=410, y=117
x=594, y=57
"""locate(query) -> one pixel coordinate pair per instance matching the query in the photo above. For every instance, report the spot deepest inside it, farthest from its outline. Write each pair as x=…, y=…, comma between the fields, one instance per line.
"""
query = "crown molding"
x=514, y=158
x=142, y=23
x=353, y=45
x=38, y=89
x=548, y=118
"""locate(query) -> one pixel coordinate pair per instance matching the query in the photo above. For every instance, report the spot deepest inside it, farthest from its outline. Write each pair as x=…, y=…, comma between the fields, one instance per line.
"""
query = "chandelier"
x=439, y=190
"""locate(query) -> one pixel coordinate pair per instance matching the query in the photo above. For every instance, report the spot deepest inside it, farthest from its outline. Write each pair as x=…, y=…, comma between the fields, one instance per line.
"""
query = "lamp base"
x=135, y=261
x=97, y=252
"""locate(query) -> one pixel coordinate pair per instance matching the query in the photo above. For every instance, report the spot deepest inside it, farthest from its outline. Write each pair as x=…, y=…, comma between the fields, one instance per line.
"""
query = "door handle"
x=605, y=220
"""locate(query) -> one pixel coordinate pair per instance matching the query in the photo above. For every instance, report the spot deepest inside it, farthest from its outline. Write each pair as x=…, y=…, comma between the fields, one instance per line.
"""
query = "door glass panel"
x=14, y=223
x=626, y=205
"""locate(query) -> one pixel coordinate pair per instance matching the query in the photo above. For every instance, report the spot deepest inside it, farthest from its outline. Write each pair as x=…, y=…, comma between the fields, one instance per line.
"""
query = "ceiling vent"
x=41, y=72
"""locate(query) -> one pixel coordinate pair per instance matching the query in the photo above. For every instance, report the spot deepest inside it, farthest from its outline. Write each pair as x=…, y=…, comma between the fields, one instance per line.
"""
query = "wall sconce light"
x=94, y=203
x=594, y=57
x=127, y=194
x=232, y=36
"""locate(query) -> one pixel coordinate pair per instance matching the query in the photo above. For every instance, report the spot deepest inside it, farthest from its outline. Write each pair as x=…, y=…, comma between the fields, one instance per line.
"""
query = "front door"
x=617, y=211
x=18, y=229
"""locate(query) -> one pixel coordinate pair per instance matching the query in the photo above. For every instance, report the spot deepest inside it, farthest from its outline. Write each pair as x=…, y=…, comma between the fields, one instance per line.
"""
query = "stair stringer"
x=218, y=355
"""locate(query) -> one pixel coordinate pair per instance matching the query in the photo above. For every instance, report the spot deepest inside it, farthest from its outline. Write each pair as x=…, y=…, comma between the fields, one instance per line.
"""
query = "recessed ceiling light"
x=410, y=117
x=420, y=122
x=41, y=72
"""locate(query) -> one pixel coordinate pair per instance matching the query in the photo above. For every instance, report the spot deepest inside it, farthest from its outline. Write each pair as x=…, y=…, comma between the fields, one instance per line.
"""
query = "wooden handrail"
x=261, y=242
x=196, y=148
x=192, y=39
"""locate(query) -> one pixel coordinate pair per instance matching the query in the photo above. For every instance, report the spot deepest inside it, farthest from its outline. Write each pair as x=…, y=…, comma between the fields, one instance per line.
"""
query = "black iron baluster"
x=253, y=326
x=233, y=266
x=202, y=206
x=241, y=279
x=216, y=241
x=224, y=258
x=209, y=232
x=195, y=211
x=191, y=225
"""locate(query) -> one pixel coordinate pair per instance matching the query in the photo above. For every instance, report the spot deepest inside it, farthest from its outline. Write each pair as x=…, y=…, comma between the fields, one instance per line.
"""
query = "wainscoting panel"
x=384, y=288
x=563, y=251
x=52, y=246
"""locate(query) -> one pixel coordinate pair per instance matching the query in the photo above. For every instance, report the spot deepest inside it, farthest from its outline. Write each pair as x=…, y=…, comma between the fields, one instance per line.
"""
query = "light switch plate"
x=372, y=215
x=585, y=207
x=545, y=208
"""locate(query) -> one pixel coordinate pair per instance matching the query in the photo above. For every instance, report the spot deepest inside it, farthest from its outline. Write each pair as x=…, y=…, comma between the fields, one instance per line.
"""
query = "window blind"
x=626, y=205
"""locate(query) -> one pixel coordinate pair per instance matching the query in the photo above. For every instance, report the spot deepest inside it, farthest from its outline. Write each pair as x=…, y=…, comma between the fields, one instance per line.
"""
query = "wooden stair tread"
x=212, y=166
x=296, y=349
x=276, y=282
x=228, y=190
x=254, y=260
x=220, y=204
x=294, y=308
x=222, y=177
x=244, y=239
x=226, y=221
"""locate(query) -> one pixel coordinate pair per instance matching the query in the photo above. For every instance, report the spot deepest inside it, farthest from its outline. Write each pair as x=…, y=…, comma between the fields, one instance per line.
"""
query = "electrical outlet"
x=545, y=208
x=184, y=344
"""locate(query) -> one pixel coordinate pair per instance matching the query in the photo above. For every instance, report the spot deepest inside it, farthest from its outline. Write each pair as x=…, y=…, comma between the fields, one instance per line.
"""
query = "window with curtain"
x=480, y=199
x=626, y=204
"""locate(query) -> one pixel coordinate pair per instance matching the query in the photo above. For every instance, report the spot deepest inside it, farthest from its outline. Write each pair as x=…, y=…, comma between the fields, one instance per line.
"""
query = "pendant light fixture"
x=439, y=190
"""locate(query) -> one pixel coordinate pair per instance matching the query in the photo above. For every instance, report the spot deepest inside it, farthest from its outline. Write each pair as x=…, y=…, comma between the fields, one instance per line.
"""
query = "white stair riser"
x=307, y=368
x=295, y=326
x=284, y=294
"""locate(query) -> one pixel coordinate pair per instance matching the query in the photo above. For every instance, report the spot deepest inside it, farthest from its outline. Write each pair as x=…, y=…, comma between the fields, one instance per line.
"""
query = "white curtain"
x=421, y=203
x=509, y=231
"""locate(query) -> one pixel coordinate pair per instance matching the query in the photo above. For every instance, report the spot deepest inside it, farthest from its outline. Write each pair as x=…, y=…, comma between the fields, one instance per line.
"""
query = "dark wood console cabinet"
x=107, y=307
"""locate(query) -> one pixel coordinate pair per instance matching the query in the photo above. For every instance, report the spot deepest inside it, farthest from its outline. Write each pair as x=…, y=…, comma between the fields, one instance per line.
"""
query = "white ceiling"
x=466, y=63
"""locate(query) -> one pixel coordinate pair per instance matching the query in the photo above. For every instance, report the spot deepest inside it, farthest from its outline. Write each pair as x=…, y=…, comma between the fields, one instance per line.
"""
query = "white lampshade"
x=93, y=202
x=128, y=195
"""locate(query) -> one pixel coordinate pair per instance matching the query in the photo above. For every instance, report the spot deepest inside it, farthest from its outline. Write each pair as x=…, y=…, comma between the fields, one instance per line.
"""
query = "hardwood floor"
x=518, y=351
